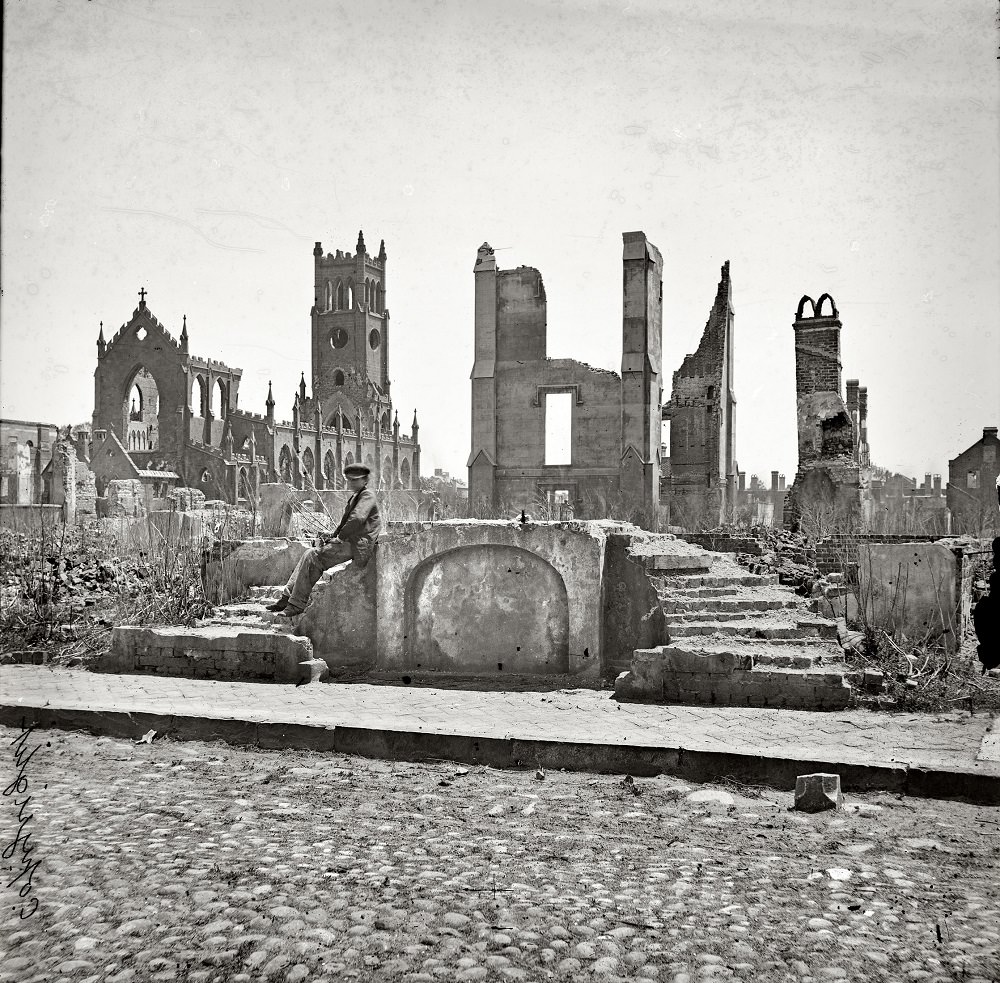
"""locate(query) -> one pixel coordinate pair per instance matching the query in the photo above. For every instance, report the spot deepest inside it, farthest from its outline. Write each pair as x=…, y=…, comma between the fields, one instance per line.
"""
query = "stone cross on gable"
x=142, y=297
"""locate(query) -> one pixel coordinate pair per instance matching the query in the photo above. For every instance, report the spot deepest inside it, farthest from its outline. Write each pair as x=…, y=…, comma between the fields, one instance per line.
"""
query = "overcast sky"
x=198, y=148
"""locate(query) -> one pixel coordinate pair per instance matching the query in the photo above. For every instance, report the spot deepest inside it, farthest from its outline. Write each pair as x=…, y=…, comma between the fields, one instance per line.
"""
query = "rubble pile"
x=62, y=595
x=788, y=554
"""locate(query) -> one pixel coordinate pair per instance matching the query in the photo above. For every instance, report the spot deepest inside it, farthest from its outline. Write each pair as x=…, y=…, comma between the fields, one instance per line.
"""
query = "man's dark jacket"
x=360, y=525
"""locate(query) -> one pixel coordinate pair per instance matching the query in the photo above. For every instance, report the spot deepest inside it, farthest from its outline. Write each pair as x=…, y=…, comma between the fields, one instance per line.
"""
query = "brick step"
x=763, y=628
x=722, y=675
x=799, y=653
x=688, y=582
x=716, y=605
x=223, y=652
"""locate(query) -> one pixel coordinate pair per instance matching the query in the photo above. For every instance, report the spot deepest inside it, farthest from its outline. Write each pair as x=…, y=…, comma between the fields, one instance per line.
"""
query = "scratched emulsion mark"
x=186, y=224
x=19, y=863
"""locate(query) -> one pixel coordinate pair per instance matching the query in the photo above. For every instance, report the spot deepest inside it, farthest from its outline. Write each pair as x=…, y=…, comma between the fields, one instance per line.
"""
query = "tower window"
x=338, y=378
x=338, y=338
x=374, y=338
x=340, y=296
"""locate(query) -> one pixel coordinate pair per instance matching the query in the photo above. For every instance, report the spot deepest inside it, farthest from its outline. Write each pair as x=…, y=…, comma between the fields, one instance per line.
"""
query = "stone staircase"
x=739, y=639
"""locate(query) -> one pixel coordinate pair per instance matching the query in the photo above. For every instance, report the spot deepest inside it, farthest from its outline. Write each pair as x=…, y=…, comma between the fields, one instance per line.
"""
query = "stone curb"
x=515, y=752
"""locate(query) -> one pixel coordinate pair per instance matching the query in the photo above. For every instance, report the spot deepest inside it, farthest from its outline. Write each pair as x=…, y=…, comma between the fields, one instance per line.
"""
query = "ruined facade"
x=26, y=450
x=701, y=410
x=174, y=413
x=832, y=480
x=972, y=486
x=612, y=461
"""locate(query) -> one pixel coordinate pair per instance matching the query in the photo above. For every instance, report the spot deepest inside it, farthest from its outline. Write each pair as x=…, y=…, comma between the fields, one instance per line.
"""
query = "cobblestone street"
x=184, y=861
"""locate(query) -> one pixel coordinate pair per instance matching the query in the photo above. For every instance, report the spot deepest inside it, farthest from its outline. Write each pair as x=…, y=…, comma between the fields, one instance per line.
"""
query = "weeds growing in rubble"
x=63, y=589
x=926, y=667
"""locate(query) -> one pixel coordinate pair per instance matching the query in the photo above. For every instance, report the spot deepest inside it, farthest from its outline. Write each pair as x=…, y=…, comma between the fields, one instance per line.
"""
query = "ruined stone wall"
x=972, y=478
x=86, y=493
x=829, y=486
x=701, y=413
x=142, y=343
x=126, y=497
x=25, y=451
x=64, y=466
x=511, y=380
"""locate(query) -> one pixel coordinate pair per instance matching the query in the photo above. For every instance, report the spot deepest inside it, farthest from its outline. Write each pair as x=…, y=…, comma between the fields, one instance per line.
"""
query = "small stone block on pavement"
x=814, y=793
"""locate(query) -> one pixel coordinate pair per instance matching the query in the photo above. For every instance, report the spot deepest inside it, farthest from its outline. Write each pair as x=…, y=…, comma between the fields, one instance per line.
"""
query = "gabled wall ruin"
x=701, y=412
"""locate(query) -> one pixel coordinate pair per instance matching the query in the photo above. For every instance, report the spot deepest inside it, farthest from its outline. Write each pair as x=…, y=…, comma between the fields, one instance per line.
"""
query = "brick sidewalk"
x=948, y=755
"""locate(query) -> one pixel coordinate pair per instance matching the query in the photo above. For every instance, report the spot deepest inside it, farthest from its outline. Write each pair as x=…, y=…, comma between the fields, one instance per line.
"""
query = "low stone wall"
x=723, y=544
x=209, y=653
x=919, y=589
x=127, y=497
x=29, y=518
x=229, y=568
x=279, y=502
x=839, y=553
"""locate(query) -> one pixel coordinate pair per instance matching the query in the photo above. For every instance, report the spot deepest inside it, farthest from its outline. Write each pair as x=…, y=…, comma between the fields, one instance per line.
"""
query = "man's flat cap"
x=357, y=471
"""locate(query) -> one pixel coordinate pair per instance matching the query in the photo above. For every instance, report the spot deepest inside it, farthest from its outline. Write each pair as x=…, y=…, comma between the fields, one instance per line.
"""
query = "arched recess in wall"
x=308, y=461
x=141, y=410
x=245, y=491
x=338, y=378
x=223, y=398
x=329, y=296
x=368, y=290
x=348, y=459
x=487, y=608
x=370, y=463
x=387, y=472
x=378, y=298
x=285, y=464
x=384, y=422
x=350, y=294
x=329, y=467
x=340, y=295
x=404, y=473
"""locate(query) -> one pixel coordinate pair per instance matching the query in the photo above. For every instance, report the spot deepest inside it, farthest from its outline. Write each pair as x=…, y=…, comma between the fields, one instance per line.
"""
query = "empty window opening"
x=973, y=480
x=558, y=428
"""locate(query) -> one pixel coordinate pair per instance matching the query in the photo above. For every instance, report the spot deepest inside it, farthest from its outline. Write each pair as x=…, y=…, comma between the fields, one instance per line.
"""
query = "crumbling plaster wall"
x=918, y=589
x=571, y=552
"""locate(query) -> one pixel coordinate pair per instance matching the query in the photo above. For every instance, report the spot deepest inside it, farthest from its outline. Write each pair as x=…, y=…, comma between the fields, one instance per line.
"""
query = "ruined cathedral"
x=167, y=417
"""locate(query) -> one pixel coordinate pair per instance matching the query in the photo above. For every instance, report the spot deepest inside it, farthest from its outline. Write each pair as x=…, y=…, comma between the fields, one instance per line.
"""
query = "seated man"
x=354, y=539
